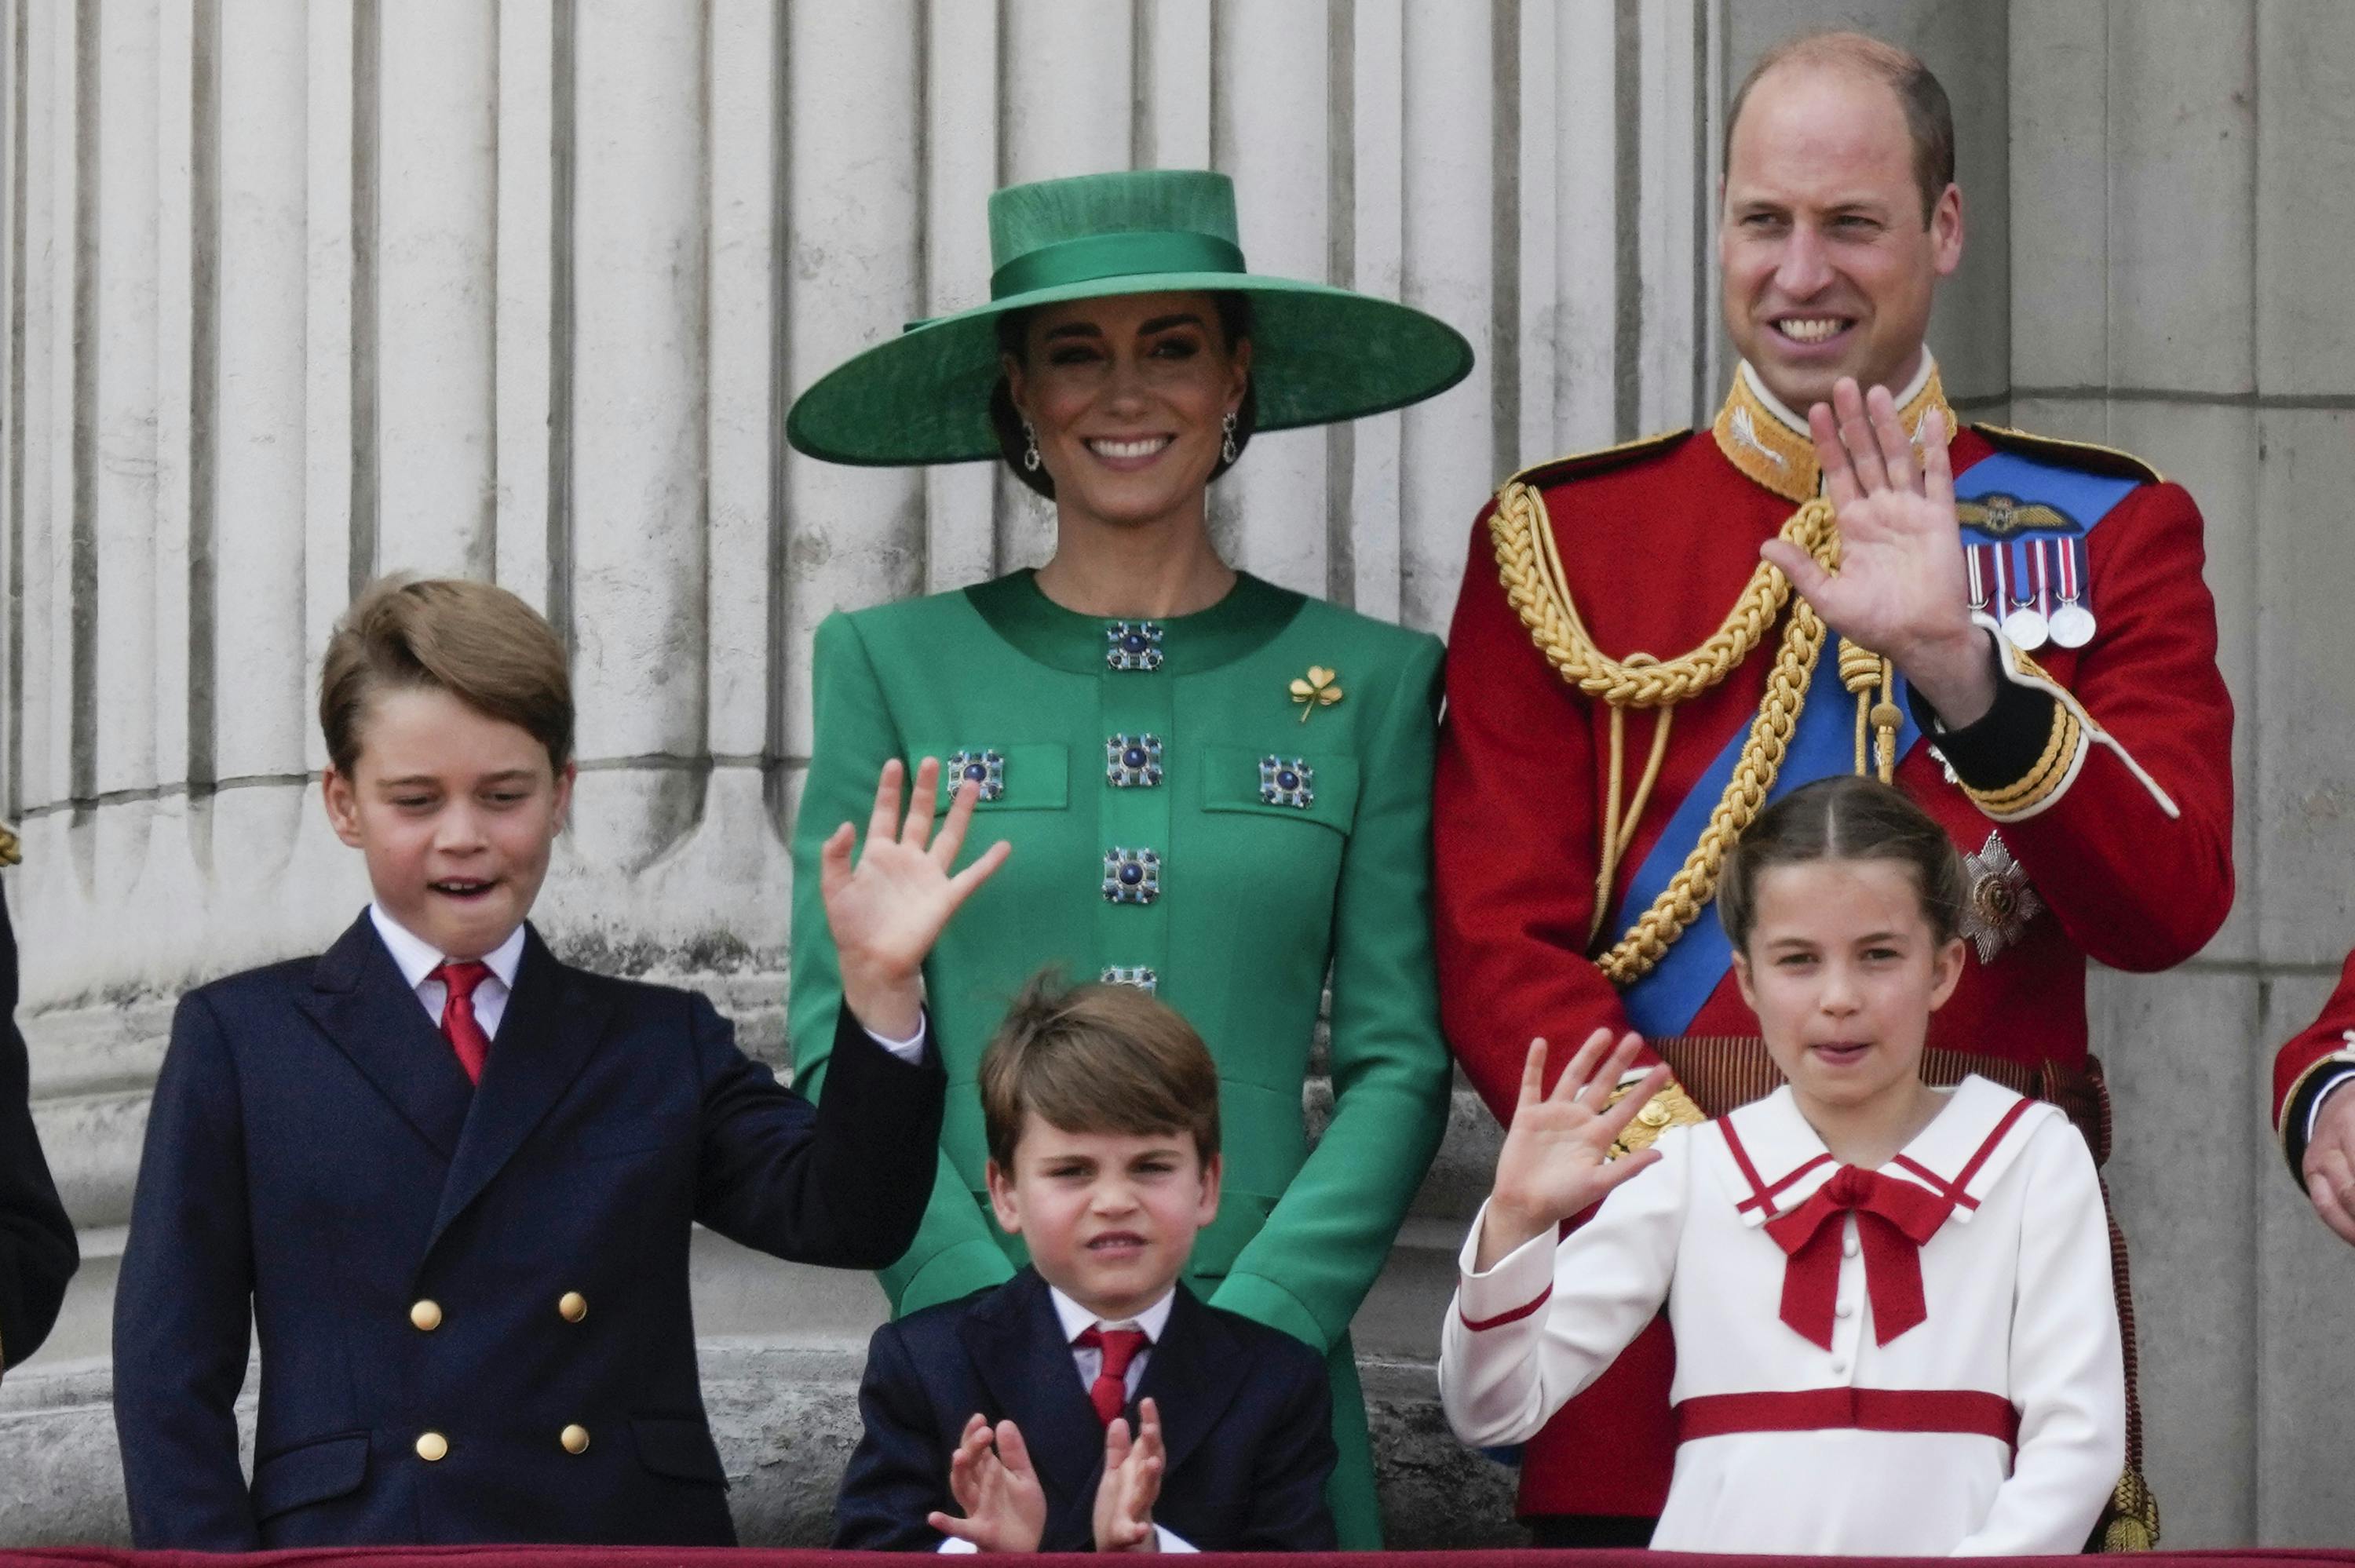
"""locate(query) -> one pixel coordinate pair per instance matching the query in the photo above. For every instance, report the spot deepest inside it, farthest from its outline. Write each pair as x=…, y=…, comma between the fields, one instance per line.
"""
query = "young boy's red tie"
x=458, y=1025
x=1109, y=1393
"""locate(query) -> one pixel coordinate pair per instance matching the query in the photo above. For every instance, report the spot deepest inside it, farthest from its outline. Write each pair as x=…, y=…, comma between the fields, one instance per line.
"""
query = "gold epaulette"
x=11, y=851
x=1553, y=470
x=1670, y=1107
x=2088, y=455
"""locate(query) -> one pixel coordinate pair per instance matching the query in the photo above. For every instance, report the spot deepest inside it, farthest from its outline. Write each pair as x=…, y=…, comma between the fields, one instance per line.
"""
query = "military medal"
x=2072, y=623
x=1975, y=565
x=2002, y=901
x=2023, y=623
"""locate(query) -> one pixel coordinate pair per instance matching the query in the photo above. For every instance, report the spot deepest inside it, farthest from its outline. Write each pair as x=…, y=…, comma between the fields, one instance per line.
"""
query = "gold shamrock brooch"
x=1318, y=689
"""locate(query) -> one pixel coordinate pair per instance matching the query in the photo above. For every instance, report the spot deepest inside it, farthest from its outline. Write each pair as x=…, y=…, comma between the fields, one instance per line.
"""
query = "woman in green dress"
x=1214, y=788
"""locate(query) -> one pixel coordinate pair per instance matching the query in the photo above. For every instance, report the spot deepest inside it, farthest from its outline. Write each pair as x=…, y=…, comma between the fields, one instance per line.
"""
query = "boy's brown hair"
x=1843, y=817
x=474, y=641
x=1096, y=1058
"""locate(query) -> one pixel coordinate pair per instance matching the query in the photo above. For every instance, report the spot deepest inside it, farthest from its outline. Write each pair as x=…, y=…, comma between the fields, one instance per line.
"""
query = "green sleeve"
x=1329, y=1235
x=954, y=1253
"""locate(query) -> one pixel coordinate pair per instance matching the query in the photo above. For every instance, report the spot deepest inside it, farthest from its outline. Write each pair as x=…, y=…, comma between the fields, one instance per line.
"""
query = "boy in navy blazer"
x=1003, y=1421
x=452, y=1179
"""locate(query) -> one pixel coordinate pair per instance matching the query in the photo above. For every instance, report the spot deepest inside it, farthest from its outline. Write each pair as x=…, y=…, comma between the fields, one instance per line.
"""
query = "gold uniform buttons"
x=433, y=1447
x=426, y=1316
x=572, y=1306
x=575, y=1439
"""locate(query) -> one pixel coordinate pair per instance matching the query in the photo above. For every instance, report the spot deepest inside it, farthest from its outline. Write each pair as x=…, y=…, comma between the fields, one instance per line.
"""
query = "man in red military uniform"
x=2032, y=658
x=2317, y=1123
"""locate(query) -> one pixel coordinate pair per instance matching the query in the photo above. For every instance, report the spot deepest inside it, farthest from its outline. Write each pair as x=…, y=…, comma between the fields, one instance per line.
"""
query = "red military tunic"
x=1657, y=540
x=2316, y=1061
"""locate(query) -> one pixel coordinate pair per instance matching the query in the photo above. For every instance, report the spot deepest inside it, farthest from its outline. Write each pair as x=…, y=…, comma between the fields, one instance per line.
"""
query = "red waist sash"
x=1957, y=1410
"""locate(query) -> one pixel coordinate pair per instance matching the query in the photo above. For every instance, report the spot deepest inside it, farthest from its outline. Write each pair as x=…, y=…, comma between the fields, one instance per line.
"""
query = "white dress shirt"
x=1088, y=1359
x=417, y=960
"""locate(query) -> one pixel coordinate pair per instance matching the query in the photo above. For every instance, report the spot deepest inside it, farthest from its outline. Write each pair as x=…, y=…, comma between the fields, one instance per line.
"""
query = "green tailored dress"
x=1175, y=824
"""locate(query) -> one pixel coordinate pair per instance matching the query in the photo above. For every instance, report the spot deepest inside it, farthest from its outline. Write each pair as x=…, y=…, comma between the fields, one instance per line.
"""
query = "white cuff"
x=1515, y=1288
x=910, y=1051
x=1166, y=1539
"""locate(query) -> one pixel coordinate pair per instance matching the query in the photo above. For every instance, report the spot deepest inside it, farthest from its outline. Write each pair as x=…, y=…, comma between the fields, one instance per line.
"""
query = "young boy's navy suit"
x=472, y=1300
x=1246, y=1421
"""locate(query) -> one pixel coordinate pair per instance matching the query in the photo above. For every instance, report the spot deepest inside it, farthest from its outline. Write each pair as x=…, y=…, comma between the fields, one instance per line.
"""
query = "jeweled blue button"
x=1133, y=645
x=986, y=769
x=1286, y=781
x=1140, y=976
x=1132, y=761
x=1131, y=876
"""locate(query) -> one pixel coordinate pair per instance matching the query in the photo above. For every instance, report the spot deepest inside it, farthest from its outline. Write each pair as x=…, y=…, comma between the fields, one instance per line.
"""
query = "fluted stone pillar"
x=299, y=293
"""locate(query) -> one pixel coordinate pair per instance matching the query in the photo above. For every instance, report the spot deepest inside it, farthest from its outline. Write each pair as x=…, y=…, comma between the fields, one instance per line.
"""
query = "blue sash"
x=1823, y=743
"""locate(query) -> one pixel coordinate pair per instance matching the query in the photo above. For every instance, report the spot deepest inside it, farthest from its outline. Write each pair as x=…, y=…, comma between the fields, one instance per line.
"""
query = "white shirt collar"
x=1799, y=422
x=416, y=959
x=1076, y=1320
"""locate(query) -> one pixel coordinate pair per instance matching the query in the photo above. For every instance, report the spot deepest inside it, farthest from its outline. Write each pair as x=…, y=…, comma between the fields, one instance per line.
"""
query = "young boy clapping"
x=1092, y=1402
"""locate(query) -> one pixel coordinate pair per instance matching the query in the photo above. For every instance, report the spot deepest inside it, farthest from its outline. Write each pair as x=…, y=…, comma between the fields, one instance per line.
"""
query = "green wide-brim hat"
x=1318, y=354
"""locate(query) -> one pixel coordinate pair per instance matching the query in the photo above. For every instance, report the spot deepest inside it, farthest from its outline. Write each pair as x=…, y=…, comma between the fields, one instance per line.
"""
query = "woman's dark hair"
x=1013, y=338
x=1845, y=818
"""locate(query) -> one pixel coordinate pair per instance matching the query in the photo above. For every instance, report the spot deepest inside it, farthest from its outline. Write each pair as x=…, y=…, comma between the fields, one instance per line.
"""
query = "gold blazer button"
x=575, y=1439
x=572, y=1306
x=426, y=1316
x=433, y=1447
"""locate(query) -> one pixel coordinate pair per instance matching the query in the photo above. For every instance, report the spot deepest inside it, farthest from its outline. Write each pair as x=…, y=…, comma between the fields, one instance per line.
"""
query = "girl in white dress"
x=1894, y=1325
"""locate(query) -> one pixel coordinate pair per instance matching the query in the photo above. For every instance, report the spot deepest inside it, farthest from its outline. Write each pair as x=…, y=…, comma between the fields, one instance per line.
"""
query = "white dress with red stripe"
x=1916, y=1361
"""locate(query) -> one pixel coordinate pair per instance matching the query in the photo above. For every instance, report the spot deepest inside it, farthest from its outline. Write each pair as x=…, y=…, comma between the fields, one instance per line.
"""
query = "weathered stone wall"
x=298, y=292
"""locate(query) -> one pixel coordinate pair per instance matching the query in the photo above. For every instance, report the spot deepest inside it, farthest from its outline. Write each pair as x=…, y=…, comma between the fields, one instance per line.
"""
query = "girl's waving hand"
x=1556, y=1161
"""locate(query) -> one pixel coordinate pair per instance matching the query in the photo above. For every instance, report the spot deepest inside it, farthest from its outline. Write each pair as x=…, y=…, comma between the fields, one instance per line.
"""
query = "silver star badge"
x=2001, y=902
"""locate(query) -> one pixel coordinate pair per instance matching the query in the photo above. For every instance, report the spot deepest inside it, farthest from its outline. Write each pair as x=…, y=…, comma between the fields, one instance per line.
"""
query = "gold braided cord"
x=1861, y=671
x=1860, y=667
x=1695, y=883
x=1618, y=826
x=1529, y=565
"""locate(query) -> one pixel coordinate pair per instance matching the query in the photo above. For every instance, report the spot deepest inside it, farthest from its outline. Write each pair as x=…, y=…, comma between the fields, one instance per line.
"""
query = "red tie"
x=1893, y=1219
x=1109, y=1393
x=458, y=1025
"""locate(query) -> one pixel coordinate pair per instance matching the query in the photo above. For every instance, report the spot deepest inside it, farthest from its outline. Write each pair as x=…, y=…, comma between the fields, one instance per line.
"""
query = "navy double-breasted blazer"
x=37, y=1254
x=471, y=1301
x=1246, y=1423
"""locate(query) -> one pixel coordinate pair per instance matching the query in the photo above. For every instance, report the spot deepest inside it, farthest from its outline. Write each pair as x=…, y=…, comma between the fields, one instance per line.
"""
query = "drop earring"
x=1226, y=430
x=1029, y=447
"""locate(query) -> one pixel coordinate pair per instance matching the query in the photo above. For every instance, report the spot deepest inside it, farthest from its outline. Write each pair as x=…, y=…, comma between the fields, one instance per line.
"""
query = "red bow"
x=1893, y=1219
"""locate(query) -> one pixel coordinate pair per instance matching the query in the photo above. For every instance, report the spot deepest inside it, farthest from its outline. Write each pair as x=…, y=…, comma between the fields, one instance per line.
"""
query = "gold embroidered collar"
x=1769, y=443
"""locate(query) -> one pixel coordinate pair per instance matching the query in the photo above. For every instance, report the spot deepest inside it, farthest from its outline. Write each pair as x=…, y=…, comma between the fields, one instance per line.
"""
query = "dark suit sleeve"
x=182, y=1305
x=1288, y=1511
x=843, y=1184
x=899, y=1473
x=37, y=1254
